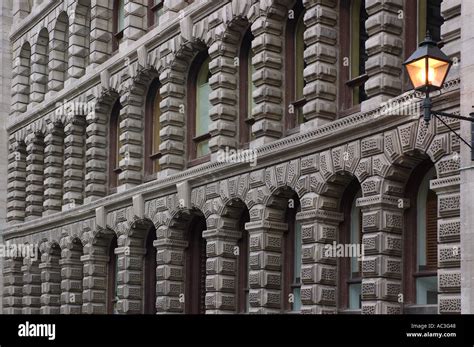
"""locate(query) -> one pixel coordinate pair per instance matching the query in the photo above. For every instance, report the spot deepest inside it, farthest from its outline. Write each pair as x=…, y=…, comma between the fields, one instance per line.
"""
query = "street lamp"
x=428, y=68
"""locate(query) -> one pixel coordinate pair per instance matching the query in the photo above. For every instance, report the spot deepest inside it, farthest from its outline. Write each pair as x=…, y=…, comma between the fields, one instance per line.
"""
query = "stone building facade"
x=59, y=197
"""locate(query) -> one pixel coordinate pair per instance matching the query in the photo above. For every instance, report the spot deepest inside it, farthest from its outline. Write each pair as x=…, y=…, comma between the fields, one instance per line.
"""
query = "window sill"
x=349, y=111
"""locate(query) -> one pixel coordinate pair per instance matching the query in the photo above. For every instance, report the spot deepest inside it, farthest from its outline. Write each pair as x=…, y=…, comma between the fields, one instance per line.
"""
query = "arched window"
x=118, y=22
x=196, y=268
x=246, y=87
x=353, y=36
x=152, y=129
x=150, y=273
x=59, y=58
x=292, y=244
x=42, y=52
x=295, y=66
x=243, y=265
x=350, y=277
x=114, y=145
x=421, y=243
x=112, y=271
x=155, y=10
x=199, y=106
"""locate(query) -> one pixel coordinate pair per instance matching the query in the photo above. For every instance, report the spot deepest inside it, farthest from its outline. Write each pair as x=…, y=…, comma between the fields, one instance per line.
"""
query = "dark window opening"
x=150, y=273
x=112, y=272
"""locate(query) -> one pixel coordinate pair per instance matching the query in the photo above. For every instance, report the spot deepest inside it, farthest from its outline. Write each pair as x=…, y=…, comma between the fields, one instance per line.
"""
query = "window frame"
x=195, y=289
x=410, y=250
x=112, y=276
x=347, y=82
x=152, y=9
x=117, y=35
x=114, y=169
x=245, y=114
x=345, y=275
x=150, y=156
x=291, y=124
x=150, y=266
x=192, y=139
x=288, y=256
x=243, y=287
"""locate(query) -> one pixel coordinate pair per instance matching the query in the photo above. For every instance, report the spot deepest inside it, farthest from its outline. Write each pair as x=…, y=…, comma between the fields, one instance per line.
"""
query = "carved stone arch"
x=16, y=187
x=21, y=79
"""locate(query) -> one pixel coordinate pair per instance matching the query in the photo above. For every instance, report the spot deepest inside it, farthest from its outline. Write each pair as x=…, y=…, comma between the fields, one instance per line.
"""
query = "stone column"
x=50, y=279
x=318, y=271
x=447, y=187
x=95, y=261
x=34, y=175
x=74, y=162
x=221, y=267
x=79, y=42
x=384, y=49
x=131, y=137
x=39, y=68
x=16, y=181
x=13, y=286
x=136, y=21
x=321, y=57
x=71, y=276
x=31, y=286
x=101, y=31
x=268, y=77
x=382, y=226
x=130, y=252
x=265, y=277
x=173, y=115
x=96, y=152
x=53, y=169
x=170, y=257
x=224, y=112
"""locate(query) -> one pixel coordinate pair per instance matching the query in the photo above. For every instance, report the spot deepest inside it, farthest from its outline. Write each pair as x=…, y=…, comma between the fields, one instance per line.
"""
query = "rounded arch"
x=23, y=68
x=41, y=75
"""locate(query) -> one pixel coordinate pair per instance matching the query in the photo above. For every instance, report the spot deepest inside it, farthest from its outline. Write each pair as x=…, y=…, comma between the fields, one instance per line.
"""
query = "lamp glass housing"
x=427, y=73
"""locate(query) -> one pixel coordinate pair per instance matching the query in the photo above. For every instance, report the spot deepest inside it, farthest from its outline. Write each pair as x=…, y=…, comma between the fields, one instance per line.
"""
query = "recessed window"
x=295, y=65
x=243, y=265
x=150, y=273
x=114, y=145
x=350, y=274
x=292, y=245
x=155, y=10
x=429, y=19
x=247, y=103
x=118, y=22
x=199, y=106
x=152, y=129
x=426, y=243
x=112, y=274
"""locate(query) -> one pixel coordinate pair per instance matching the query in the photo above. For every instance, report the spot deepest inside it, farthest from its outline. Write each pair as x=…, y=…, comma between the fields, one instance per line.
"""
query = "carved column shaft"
x=101, y=32
x=170, y=257
x=221, y=270
x=71, y=283
x=50, y=283
x=35, y=175
x=12, y=286
x=31, y=287
x=16, y=197
x=74, y=162
x=53, y=169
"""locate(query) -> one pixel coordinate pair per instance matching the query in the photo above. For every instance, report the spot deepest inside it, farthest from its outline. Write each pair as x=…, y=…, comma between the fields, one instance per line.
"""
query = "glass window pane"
x=355, y=296
x=427, y=290
x=202, y=100
x=422, y=16
x=421, y=219
x=121, y=15
x=156, y=129
x=203, y=148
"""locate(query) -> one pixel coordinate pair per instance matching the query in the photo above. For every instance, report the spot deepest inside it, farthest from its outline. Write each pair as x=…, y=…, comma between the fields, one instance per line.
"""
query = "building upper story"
x=110, y=95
